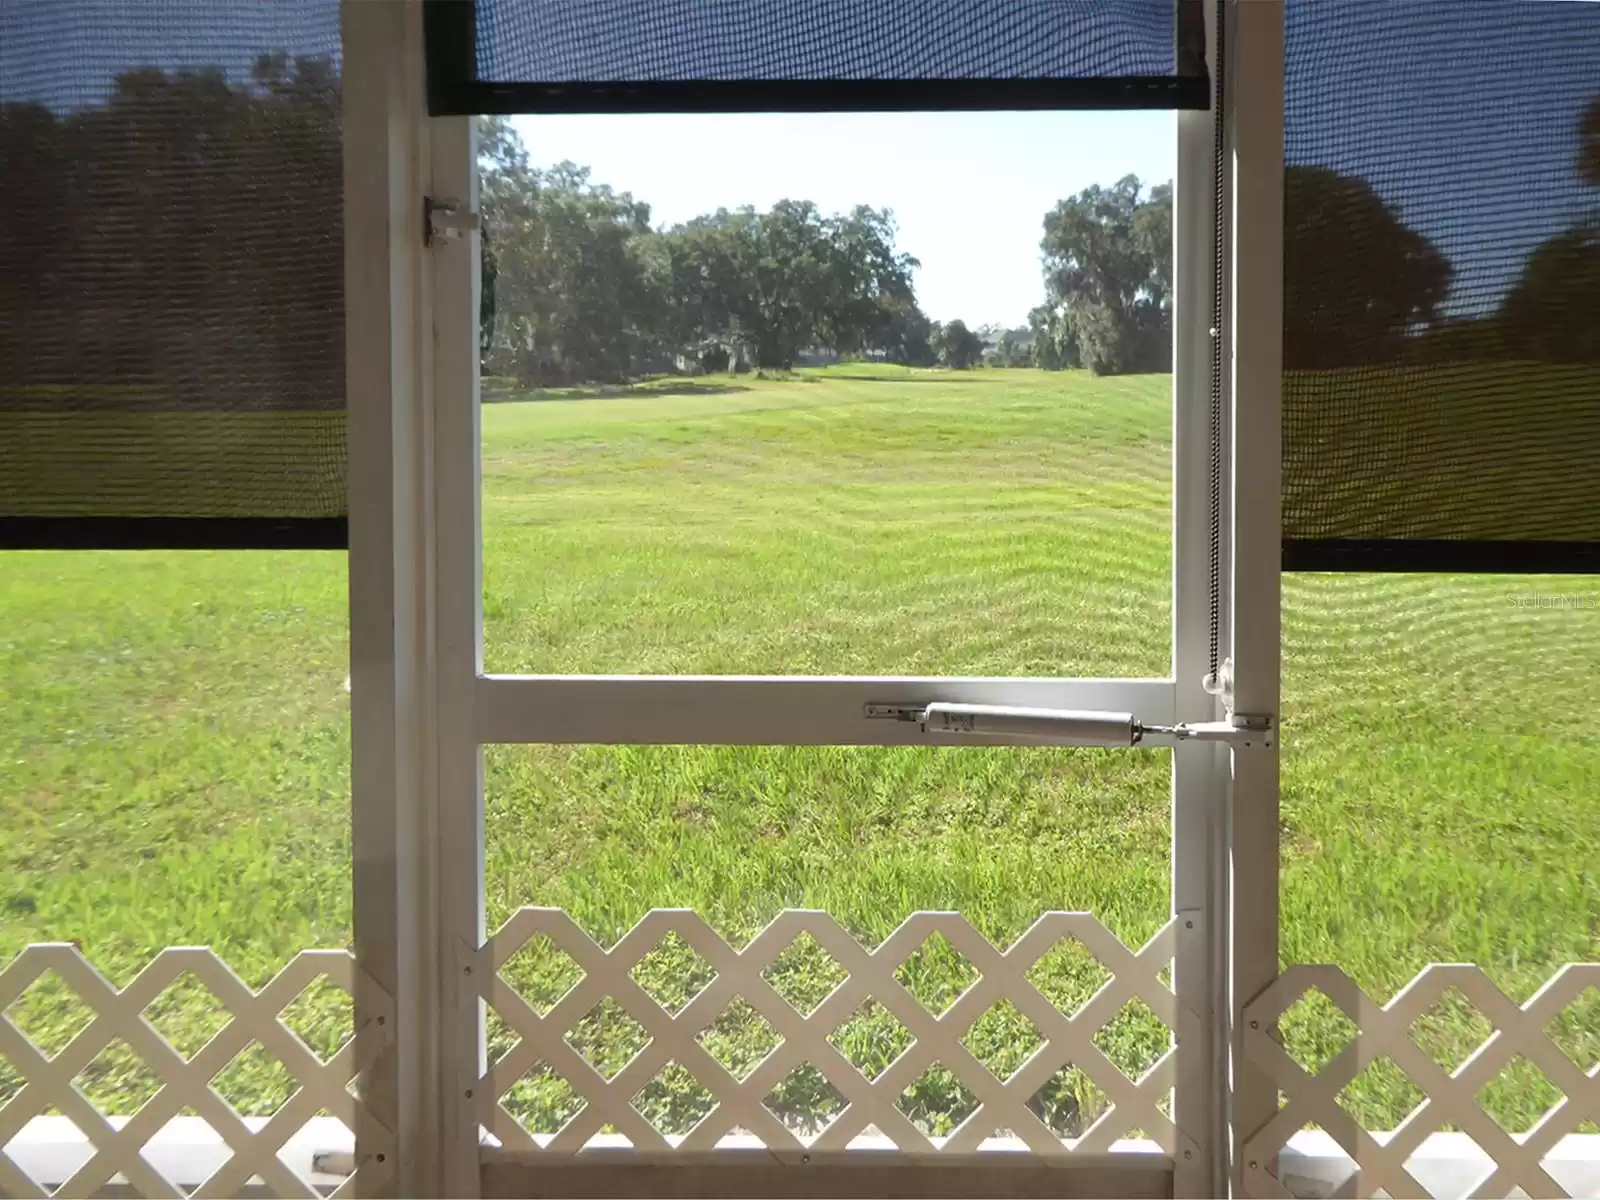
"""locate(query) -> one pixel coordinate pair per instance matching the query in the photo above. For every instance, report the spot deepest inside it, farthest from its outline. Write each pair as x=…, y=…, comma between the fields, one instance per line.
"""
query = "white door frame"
x=1255, y=130
x=423, y=707
x=393, y=800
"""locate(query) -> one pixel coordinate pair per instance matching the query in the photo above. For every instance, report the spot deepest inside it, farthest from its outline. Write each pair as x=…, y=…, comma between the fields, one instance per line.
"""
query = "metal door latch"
x=1070, y=727
x=1240, y=730
x=445, y=221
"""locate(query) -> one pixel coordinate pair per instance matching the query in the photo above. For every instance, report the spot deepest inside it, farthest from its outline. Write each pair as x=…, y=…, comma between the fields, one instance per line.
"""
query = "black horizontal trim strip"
x=454, y=89
x=1443, y=556
x=449, y=98
x=174, y=533
x=450, y=54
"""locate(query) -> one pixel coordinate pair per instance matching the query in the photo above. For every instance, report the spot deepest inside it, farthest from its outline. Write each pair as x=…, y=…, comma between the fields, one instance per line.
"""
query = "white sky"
x=968, y=190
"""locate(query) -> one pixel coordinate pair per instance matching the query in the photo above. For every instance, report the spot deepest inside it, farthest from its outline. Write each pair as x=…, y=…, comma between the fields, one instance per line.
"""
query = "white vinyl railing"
x=186, y=1138
x=243, y=1154
x=1548, y=1160
x=870, y=1117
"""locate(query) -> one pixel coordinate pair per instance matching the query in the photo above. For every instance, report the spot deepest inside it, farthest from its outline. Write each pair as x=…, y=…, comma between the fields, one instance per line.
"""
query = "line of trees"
x=1361, y=287
x=1553, y=311
x=179, y=243
x=184, y=238
x=584, y=289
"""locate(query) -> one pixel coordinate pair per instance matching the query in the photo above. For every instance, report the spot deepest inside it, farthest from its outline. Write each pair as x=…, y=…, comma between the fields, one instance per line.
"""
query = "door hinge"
x=1072, y=727
x=445, y=221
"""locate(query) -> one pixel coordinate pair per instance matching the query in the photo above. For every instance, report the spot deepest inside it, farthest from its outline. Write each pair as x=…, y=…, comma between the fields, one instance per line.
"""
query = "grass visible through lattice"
x=174, y=763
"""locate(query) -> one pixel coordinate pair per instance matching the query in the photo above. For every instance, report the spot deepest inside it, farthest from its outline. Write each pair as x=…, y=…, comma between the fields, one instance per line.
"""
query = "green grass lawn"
x=174, y=766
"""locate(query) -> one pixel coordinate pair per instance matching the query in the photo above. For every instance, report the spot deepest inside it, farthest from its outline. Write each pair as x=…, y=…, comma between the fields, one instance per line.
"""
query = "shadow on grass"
x=617, y=391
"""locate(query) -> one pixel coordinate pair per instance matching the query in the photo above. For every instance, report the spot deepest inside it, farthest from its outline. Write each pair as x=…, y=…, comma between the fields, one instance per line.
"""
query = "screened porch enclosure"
x=567, y=972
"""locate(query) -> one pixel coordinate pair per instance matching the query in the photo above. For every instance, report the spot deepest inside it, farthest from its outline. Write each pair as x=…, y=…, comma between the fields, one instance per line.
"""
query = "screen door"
x=817, y=748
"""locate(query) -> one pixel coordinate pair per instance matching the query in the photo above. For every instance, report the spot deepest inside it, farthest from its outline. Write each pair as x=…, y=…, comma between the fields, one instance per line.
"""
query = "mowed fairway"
x=174, y=759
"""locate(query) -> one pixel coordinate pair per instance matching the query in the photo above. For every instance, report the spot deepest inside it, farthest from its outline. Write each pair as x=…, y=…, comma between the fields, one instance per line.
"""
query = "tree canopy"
x=181, y=240
x=957, y=346
x=1356, y=278
x=584, y=288
x=587, y=289
x=238, y=184
x=1361, y=287
x=1589, y=143
x=1553, y=311
x=1550, y=314
x=1108, y=280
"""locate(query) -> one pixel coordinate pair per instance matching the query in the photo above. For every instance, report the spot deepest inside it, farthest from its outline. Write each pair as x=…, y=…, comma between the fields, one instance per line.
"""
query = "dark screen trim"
x=173, y=533
x=450, y=53
x=1442, y=556
x=826, y=95
x=454, y=89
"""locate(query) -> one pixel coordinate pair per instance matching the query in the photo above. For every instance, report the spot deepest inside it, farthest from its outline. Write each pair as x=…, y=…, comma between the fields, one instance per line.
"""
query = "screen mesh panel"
x=171, y=273
x=517, y=55
x=1442, y=285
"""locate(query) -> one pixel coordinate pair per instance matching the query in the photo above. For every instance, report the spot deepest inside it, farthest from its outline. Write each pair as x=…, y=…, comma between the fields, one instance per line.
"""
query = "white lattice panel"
x=253, y=1018
x=870, y=1115
x=1451, y=1098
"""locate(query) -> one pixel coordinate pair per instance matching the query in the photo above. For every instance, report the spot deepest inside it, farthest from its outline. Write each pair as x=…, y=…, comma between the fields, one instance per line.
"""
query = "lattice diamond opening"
x=11, y=1082
x=541, y=1101
x=1468, y=1146
x=937, y=974
x=872, y=1037
x=1135, y=1039
x=1342, y=1170
x=607, y=1038
x=323, y=1016
x=805, y=1101
x=740, y=1038
x=1379, y=1095
x=255, y=1083
x=499, y=1038
x=117, y=1080
x=1068, y=975
x=1315, y=1031
x=674, y=1101
x=804, y=974
x=541, y=972
x=673, y=973
x=188, y=1014
x=936, y=1102
x=1069, y=1102
x=49, y=1013
x=1576, y=1030
x=1519, y=1095
x=1451, y=1029
x=1002, y=1039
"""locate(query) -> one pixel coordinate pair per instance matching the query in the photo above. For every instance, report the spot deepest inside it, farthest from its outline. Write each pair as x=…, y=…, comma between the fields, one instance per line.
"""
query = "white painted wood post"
x=393, y=801
x=1199, y=771
x=458, y=648
x=1256, y=119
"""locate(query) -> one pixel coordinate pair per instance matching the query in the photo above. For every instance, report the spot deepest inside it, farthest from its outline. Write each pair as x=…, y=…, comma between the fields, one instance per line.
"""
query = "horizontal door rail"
x=742, y=710
x=758, y=1173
